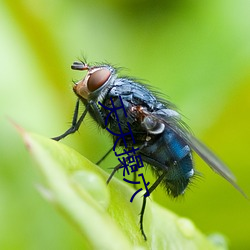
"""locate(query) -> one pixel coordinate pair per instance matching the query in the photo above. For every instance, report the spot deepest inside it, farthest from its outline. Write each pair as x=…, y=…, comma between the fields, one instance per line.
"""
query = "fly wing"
x=208, y=156
x=175, y=124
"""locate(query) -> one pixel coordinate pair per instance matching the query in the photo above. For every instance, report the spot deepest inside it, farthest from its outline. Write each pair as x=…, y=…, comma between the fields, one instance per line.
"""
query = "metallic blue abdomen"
x=170, y=153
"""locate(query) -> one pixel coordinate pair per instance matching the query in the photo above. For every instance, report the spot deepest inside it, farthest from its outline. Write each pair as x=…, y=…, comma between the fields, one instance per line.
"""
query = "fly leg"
x=150, y=190
x=118, y=166
x=113, y=172
x=75, y=123
x=110, y=150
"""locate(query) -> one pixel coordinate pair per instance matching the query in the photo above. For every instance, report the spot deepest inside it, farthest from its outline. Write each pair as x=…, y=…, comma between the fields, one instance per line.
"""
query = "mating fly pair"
x=162, y=138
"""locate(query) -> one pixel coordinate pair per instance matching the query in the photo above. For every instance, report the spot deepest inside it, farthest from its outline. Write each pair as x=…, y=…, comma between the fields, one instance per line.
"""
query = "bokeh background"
x=195, y=52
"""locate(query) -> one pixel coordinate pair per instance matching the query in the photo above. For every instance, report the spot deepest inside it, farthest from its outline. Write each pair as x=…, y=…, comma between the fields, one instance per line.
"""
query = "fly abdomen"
x=180, y=166
x=173, y=156
x=177, y=147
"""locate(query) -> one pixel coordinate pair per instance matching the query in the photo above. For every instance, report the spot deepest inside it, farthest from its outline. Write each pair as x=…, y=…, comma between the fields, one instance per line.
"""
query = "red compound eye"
x=97, y=79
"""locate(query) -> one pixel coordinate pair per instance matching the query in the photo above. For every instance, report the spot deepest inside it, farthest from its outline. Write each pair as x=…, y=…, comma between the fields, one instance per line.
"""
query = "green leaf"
x=103, y=213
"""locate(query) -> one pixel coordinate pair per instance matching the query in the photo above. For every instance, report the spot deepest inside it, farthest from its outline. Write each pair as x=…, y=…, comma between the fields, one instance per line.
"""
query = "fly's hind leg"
x=150, y=190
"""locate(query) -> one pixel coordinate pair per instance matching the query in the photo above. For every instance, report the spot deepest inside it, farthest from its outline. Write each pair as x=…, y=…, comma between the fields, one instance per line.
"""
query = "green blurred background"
x=196, y=52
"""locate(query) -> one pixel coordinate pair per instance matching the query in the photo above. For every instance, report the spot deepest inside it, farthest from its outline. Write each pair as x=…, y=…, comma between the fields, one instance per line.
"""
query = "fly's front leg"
x=75, y=123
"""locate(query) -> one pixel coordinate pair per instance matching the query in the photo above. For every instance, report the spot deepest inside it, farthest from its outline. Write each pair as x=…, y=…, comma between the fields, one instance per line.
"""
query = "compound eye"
x=97, y=79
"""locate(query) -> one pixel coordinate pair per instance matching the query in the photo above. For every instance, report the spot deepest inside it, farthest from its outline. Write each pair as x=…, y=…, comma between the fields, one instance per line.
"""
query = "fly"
x=164, y=141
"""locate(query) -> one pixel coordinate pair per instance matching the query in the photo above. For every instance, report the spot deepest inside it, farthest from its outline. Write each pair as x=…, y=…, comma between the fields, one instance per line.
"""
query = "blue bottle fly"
x=163, y=139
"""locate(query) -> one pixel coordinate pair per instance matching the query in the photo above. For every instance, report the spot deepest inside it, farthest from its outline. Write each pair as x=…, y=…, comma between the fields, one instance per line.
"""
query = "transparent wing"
x=175, y=124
